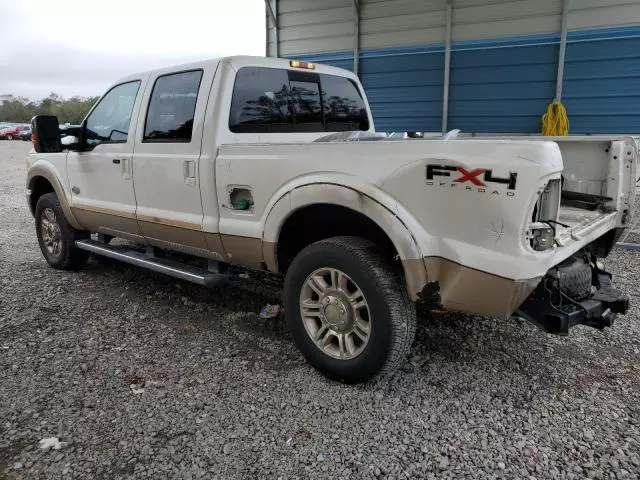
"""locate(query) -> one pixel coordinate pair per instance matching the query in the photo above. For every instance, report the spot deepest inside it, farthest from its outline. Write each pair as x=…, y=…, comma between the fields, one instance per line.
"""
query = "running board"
x=634, y=247
x=172, y=268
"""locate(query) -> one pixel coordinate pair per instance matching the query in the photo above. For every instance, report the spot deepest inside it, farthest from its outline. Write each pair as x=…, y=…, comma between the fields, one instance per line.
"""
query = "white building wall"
x=313, y=26
x=401, y=22
x=586, y=14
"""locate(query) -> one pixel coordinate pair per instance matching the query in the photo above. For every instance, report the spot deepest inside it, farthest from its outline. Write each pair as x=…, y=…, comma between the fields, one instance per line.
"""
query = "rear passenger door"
x=278, y=105
x=167, y=157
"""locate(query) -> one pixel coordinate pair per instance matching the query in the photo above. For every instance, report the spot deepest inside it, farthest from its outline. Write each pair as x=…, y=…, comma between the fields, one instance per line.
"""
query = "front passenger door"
x=101, y=176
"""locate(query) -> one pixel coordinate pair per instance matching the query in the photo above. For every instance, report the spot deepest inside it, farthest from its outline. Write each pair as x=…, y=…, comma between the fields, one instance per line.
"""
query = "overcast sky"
x=80, y=47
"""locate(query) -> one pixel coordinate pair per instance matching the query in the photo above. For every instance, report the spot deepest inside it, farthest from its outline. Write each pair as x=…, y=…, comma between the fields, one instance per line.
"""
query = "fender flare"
x=49, y=175
x=327, y=193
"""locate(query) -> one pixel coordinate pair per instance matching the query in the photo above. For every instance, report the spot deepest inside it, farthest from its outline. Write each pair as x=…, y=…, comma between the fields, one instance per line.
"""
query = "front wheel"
x=348, y=310
x=56, y=236
x=9, y=137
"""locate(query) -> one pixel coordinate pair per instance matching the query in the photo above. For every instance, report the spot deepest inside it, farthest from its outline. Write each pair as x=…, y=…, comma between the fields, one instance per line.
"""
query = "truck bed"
x=576, y=217
x=598, y=178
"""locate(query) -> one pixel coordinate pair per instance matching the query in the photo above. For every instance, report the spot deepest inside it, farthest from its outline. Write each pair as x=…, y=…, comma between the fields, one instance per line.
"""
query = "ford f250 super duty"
x=275, y=165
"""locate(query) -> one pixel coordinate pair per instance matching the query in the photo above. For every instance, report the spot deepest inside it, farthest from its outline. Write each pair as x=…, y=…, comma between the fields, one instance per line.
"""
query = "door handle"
x=126, y=166
x=189, y=168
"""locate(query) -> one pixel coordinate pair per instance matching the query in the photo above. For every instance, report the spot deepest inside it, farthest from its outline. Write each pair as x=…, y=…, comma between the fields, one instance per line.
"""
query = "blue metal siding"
x=403, y=85
x=504, y=85
x=404, y=88
x=602, y=81
x=502, y=88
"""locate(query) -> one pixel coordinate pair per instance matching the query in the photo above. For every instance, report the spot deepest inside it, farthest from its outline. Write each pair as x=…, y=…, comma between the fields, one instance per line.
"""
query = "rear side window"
x=344, y=108
x=260, y=101
x=269, y=100
x=172, y=107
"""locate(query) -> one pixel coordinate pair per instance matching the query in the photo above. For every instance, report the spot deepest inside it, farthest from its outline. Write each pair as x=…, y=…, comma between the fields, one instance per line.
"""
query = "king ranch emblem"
x=479, y=180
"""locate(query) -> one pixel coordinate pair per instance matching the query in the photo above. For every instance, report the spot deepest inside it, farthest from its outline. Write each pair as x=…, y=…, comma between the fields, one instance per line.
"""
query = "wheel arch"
x=41, y=180
x=354, y=205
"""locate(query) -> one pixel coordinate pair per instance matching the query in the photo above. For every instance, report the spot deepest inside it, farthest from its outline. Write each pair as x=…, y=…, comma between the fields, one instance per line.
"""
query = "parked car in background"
x=64, y=131
x=13, y=132
x=6, y=126
x=3, y=129
x=26, y=134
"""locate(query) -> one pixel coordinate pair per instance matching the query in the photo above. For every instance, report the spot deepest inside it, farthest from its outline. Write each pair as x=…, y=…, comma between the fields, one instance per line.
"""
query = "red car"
x=12, y=133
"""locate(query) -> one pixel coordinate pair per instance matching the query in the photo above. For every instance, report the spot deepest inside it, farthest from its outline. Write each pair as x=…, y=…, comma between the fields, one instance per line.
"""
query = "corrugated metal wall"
x=503, y=64
x=307, y=26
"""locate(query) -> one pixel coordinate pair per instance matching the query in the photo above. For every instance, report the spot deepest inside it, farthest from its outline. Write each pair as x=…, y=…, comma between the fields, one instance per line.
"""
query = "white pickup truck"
x=275, y=165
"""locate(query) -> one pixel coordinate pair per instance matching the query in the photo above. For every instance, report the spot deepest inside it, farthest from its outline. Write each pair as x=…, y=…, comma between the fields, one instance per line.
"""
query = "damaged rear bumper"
x=457, y=288
x=557, y=313
x=454, y=287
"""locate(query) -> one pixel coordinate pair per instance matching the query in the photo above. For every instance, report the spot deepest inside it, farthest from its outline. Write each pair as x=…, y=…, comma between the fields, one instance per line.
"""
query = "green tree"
x=21, y=109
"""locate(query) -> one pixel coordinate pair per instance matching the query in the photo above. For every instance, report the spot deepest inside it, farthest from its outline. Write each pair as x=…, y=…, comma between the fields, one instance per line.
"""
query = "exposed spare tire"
x=574, y=278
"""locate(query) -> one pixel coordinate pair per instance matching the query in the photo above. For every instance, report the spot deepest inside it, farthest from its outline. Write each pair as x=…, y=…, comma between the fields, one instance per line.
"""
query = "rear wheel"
x=9, y=137
x=56, y=236
x=348, y=310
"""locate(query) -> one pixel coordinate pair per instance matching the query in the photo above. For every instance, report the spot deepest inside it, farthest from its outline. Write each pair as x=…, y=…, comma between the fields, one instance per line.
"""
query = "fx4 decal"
x=478, y=177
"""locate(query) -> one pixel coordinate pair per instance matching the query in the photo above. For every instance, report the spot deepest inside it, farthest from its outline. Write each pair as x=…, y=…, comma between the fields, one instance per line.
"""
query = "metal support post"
x=356, y=36
x=563, y=48
x=274, y=20
x=447, y=68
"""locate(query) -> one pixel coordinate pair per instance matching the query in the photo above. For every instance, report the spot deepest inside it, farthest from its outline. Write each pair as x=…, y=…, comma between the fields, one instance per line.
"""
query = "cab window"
x=272, y=100
x=260, y=101
x=304, y=97
x=344, y=107
x=109, y=121
x=172, y=108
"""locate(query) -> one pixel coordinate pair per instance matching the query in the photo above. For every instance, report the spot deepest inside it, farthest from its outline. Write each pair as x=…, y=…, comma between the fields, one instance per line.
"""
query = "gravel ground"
x=144, y=377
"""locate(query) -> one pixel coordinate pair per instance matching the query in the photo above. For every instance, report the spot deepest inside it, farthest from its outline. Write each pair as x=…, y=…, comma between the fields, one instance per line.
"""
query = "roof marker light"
x=299, y=64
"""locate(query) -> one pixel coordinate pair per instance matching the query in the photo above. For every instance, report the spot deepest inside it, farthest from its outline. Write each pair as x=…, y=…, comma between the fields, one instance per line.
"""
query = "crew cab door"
x=100, y=177
x=166, y=160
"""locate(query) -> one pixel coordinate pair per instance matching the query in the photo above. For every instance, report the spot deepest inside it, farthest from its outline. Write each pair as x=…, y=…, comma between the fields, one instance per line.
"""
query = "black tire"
x=392, y=313
x=68, y=256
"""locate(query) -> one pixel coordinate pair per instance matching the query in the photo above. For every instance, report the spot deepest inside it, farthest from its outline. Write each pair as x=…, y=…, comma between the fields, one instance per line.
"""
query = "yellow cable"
x=555, y=122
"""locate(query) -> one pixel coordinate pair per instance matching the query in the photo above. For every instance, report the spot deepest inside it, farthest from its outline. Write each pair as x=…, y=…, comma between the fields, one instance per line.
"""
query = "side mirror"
x=45, y=134
x=81, y=137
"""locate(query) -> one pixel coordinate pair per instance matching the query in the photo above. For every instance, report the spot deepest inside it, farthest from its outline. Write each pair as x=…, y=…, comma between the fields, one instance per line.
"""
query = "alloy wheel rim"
x=335, y=313
x=51, y=233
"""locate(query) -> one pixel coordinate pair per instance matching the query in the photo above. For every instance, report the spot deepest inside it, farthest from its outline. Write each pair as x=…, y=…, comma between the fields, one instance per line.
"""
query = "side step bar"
x=635, y=247
x=172, y=268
